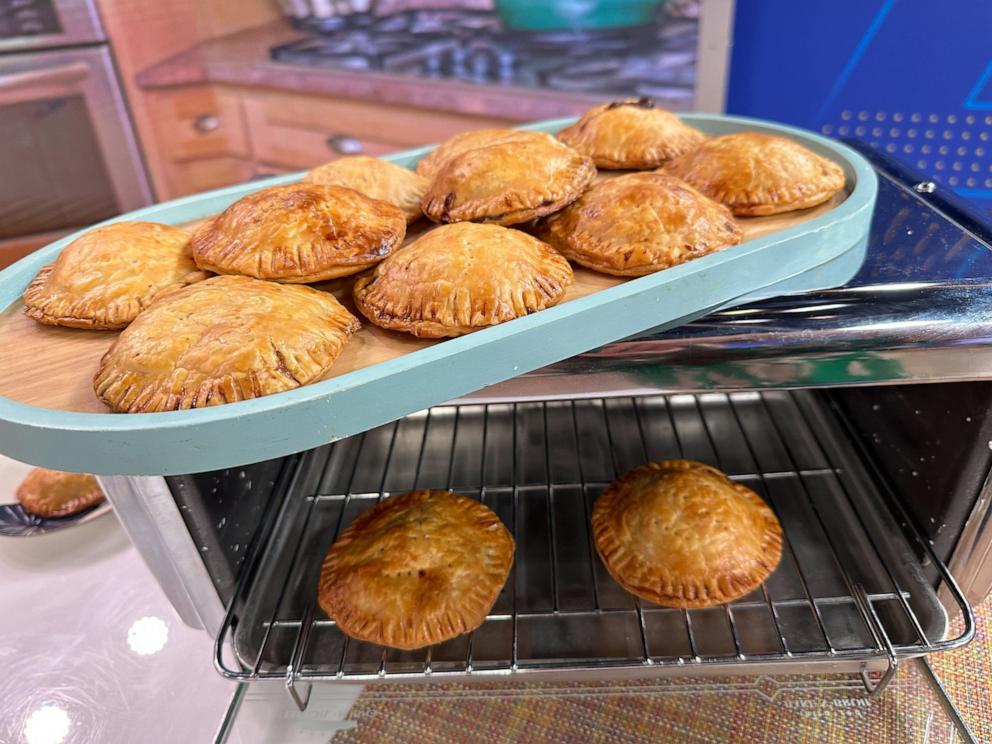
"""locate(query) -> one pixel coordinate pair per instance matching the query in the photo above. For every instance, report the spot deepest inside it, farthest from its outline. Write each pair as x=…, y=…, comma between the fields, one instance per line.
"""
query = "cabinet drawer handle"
x=206, y=123
x=344, y=145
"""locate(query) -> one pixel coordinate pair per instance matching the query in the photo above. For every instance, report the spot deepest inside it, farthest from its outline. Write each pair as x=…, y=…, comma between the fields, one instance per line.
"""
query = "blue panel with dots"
x=911, y=77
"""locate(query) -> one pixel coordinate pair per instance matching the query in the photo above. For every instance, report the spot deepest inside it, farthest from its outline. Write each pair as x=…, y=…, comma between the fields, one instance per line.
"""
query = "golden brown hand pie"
x=52, y=493
x=630, y=134
x=759, y=174
x=378, y=179
x=105, y=277
x=508, y=182
x=682, y=534
x=301, y=233
x=460, y=278
x=416, y=569
x=222, y=340
x=463, y=142
x=639, y=223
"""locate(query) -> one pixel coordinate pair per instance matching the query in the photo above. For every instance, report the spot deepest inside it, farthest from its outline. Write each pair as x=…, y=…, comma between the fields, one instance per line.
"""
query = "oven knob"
x=206, y=123
x=345, y=145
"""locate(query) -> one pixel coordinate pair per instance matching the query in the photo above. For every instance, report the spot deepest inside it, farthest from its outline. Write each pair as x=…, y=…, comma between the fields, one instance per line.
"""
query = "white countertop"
x=90, y=649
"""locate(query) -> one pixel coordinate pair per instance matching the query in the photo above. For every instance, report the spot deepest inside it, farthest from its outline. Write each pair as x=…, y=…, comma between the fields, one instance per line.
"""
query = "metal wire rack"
x=855, y=590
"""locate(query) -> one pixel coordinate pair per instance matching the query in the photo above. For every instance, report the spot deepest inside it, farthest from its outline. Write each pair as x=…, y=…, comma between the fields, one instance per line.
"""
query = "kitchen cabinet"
x=210, y=136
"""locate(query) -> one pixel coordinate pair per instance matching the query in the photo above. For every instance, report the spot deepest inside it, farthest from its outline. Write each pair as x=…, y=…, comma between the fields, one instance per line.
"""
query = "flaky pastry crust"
x=416, y=569
x=377, y=179
x=225, y=339
x=630, y=135
x=53, y=493
x=460, y=278
x=463, y=142
x=682, y=534
x=759, y=174
x=639, y=223
x=508, y=182
x=105, y=277
x=300, y=233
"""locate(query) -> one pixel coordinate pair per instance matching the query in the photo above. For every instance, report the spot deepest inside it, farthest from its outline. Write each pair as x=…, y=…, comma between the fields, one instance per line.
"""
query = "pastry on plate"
x=301, y=233
x=463, y=142
x=53, y=493
x=682, y=534
x=225, y=339
x=630, y=135
x=460, y=278
x=106, y=276
x=508, y=181
x=378, y=179
x=759, y=174
x=639, y=223
x=416, y=569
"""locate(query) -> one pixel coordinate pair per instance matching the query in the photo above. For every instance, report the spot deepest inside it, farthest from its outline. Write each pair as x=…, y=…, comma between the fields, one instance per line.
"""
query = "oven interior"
x=871, y=485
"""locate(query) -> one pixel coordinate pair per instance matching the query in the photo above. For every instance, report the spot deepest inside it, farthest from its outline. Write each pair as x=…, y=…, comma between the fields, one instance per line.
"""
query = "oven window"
x=53, y=173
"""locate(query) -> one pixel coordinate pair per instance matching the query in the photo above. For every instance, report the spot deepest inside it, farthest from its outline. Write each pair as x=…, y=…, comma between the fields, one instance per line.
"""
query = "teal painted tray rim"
x=862, y=185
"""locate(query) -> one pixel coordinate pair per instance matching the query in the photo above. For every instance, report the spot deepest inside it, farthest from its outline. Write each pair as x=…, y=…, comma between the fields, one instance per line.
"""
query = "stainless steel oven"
x=68, y=150
x=863, y=415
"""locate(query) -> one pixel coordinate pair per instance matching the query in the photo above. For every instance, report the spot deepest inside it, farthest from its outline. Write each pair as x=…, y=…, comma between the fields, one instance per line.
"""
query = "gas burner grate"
x=850, y=591
x=657, y=59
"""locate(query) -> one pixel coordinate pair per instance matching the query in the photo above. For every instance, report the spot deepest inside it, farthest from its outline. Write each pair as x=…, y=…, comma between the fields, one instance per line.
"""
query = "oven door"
x=68, y=151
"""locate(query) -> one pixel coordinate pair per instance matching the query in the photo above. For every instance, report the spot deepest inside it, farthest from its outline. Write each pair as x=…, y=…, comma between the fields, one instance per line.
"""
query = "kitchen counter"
x=91, y=649
x=242, y=59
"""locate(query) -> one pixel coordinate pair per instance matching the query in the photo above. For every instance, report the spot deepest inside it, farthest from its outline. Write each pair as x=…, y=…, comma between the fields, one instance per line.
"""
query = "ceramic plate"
x=16, y=522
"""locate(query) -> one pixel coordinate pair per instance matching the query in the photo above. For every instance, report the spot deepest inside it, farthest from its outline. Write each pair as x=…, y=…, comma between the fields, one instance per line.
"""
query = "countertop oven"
x=862, y=414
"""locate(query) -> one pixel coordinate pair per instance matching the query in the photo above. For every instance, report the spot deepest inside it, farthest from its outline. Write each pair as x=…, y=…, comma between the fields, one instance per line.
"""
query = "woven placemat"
x=713, y=710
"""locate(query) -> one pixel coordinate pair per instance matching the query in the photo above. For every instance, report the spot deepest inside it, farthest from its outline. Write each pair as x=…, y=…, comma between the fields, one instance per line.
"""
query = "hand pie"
x=508, y=182
x=682, y=534
x=416, y=569
x=52, y=493
x=301, y=233
x=432, y=162
x=104, y=278
x=377, y=179
x=460, y=278
x=759, y=174
x=630, y=135
x=640, y=223
x=222, y=340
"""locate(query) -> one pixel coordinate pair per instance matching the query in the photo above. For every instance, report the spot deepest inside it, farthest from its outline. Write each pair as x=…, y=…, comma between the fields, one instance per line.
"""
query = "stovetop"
x=657, y=59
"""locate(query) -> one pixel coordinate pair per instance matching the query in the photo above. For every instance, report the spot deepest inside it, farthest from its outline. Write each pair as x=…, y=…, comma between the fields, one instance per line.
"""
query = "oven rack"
x=855, y=591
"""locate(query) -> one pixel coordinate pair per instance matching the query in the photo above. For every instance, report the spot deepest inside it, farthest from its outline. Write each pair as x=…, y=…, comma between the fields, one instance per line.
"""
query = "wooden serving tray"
x=54, y=367
x=49, y=414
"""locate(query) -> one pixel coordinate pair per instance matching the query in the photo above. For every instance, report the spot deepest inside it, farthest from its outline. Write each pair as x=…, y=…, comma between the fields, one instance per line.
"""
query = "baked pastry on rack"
x=106, y=276
x=300, y=233
x=682, y=534
x=460, y=278
x=639, y=223
x=416, y=569
x=222, y=340
x=377, y=179
x=630, y=135
x=758, y=174
x=506, y=181
x=53, y=493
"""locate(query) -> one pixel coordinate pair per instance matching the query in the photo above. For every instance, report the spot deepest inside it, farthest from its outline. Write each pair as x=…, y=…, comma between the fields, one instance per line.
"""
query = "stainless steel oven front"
x=69, y=153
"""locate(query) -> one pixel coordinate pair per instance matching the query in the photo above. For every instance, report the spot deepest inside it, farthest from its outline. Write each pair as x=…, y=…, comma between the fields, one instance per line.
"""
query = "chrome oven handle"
x=69, y=73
